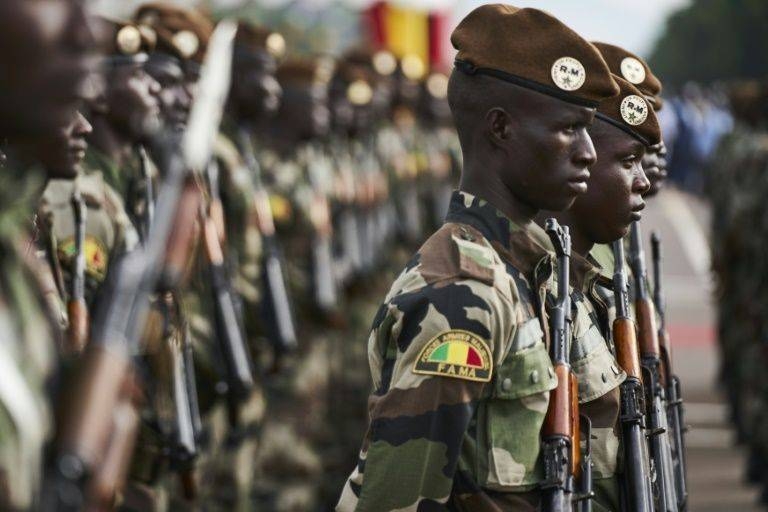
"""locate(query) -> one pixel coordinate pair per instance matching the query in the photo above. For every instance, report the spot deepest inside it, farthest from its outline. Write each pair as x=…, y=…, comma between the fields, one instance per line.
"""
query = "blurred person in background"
x=47, y=48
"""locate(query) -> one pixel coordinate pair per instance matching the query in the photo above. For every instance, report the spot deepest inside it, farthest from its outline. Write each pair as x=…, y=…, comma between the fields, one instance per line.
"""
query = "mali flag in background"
x=403, y=30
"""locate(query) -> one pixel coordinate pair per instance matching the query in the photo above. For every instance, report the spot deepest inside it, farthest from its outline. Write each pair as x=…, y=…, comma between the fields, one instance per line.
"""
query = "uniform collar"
x=495, y=226
x=521, y=242
x=585, y=272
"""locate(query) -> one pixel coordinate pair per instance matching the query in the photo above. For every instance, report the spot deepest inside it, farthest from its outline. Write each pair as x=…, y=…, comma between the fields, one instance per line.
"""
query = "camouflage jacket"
x=237, y=191
x=28, y=351
x=598, y=374
x=129, y=181
x=461, y=370
x=109, y=232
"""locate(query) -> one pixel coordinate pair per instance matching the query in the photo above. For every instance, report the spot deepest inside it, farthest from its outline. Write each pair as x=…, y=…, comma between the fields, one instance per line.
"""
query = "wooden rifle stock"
x=78, y=327
x=637, y=473
x=654, y=379
x=182, y=236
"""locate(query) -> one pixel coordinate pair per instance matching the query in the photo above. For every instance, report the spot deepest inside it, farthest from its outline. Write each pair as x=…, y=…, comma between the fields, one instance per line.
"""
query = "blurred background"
x=712, y=57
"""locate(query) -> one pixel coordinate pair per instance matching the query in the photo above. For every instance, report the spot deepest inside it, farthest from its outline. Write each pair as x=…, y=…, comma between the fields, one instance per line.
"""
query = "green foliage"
x=713, y=40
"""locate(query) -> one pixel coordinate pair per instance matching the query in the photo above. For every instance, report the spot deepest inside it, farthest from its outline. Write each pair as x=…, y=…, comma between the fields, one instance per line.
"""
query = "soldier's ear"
x=498, y=125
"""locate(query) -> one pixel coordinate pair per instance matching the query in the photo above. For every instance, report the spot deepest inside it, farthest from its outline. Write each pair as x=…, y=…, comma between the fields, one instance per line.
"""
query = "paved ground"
x=715, y=465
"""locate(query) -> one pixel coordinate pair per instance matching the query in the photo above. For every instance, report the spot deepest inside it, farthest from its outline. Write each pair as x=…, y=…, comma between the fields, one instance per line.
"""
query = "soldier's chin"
x=146, y=127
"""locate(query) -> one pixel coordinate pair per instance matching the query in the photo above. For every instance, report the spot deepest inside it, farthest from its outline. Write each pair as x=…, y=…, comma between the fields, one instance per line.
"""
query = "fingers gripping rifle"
x=278, y=316
x=77, y=310
x=86, y=430
x=560, y=433
x=632, y=417
x=675, y=412
x=650, y=354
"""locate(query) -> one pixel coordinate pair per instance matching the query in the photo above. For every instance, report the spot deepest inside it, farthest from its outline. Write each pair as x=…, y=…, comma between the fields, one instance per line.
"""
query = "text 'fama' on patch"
x=456, y=353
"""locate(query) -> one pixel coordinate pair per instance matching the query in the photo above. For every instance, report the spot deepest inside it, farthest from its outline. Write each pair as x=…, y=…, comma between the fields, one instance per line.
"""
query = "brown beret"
x=532, y=49
x=252, y=37
x=302, y=71
x=126, y=42
x=630, y=111
x=356, y=79
x=382, y=62
x=183, y=33
x=631, y=68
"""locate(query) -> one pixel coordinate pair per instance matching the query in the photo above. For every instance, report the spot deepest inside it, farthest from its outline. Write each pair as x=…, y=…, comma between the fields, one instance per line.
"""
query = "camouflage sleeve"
x=431, y=355
x=126, y=236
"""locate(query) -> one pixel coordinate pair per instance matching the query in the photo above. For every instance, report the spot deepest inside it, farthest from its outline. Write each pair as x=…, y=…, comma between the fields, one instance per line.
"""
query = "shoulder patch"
x=96, y=258
x=458, y=354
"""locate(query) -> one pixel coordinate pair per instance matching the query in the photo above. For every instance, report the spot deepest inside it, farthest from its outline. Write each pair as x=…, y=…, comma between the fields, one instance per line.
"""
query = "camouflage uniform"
x=28, y=351
x=129, y=181
x=109, y=232
x=458, y=356
x=737, y=189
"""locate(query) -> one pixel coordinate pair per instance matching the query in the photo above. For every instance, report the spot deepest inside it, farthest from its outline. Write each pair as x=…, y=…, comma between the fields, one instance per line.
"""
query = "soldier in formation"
x=193, y=253
x=735, y=182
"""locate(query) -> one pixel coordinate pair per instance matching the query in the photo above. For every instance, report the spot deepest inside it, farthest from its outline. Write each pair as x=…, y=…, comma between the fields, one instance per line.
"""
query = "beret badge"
x=632, y=70
x=634, y=110
x=128, y=40
x=568, y=73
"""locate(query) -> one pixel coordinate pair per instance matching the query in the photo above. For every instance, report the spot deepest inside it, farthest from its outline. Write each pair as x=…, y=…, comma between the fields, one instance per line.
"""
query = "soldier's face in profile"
x=133, y=102
x=616, y=186
x=62, y=150
x=655, y=167
x=255, y=89
x=44, y=63
x=175, y=91
x=549, y=151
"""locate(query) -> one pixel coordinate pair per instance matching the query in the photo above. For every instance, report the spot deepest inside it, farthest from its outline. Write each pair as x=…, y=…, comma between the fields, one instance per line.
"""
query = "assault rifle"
x=675, y=413
x=654, y=380
x=632, y=417
x=277, y=313
x=560, y=433
x=229, y=326
x=323, y=278
x=89, y=429
x=77, y=310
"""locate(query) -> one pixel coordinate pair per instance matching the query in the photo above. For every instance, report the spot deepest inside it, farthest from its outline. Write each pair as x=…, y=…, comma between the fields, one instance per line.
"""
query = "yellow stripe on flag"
x=457, y=353
x=407, y=32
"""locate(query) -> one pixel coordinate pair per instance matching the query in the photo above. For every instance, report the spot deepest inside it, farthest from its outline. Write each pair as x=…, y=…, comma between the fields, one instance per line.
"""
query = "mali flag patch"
x=456, y=353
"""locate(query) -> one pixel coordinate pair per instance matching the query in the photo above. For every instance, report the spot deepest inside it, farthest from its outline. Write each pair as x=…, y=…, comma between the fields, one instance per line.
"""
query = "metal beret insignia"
x=413, y=67
x=458, y=354
x=275, y=45
x=437, y=85
x=359, y=92
x=634, y=110
x=186, y=42
x=568, y=73
x=128, y=40
x=632, y=70
x=384, y=63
